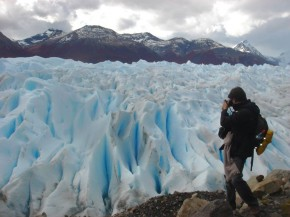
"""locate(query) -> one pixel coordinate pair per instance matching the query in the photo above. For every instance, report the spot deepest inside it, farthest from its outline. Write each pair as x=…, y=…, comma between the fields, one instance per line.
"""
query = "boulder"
x=216, y=208
x=279, y=174
x=285, y=207
x=191, y=206
x=268, y=186
x=274, y=182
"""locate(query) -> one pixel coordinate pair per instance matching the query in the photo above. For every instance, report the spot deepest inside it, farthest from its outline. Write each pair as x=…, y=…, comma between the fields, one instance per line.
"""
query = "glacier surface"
x=93, y=139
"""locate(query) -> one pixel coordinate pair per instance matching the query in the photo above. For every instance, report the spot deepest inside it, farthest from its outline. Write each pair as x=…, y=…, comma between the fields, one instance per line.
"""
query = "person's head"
x=237, y=95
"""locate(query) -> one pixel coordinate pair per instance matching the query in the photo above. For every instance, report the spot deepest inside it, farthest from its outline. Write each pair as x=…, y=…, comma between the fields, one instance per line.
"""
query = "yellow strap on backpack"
x=266, y=141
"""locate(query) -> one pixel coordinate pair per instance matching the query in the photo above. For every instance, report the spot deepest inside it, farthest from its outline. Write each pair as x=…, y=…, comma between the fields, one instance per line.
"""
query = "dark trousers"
x=237, y=184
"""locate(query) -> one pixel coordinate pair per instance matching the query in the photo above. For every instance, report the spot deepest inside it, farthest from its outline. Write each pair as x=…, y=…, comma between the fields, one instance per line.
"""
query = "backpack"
x=263, y=135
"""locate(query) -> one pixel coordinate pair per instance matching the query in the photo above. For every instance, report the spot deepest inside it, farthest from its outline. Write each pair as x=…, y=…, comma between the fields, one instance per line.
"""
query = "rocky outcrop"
x=216, y=208
x=191, y=206
x=273, y=193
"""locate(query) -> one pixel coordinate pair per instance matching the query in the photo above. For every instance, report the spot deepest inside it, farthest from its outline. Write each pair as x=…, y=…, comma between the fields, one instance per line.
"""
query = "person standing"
x=238, y=120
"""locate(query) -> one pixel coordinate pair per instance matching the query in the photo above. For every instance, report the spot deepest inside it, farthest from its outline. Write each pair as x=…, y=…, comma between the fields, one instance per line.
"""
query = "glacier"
x=94, y=139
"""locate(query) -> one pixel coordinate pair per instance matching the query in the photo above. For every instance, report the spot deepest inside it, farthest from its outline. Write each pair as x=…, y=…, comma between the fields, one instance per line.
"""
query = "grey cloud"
x=64, y=7
x=124, y=24
x=45, y=9
x=262, y=9
x=61, y=25
x=273, y=37
x=82, y=4
x=169, y=13
x=20, y=23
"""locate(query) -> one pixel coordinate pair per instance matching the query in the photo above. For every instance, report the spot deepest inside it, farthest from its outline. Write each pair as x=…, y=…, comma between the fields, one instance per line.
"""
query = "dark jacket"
x=242, y=123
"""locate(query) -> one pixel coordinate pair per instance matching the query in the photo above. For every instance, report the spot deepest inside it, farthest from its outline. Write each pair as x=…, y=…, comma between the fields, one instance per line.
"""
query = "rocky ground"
x=273, y=193
x=168, y=206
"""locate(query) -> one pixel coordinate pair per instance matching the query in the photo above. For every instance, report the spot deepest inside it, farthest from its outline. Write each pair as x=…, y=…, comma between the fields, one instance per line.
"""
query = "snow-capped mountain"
x=96, y=44
x=206, y=44
x=109, y=45
x=81, y=139
x=145, y=38
x=178, y=46
x=201, y=51
x=92, y=33
x=246, y=47
x=49, y=34
x=205, y=51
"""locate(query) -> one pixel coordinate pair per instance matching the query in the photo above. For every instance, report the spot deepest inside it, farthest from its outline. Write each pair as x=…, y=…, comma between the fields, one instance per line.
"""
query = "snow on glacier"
x=93, y=139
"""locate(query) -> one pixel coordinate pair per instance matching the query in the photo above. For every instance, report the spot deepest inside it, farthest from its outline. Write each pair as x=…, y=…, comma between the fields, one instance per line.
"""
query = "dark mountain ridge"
x=10, y=48
x=95, y=44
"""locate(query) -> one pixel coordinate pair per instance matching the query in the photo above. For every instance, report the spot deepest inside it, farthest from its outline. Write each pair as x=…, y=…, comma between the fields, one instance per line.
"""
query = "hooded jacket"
x=242, y=123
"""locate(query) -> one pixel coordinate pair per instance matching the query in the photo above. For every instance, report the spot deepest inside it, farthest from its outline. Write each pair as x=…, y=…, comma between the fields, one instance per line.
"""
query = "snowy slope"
x=146, y=38
x=48, y=34
x=246, y=47
x=91, y=32
x=93, y=139
x=179, y=46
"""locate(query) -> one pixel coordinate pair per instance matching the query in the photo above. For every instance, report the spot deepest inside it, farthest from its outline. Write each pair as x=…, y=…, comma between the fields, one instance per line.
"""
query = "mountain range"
x=95, y=44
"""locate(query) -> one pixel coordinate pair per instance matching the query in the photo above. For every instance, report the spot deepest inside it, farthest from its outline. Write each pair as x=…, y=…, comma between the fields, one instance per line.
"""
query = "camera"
x=229, y=102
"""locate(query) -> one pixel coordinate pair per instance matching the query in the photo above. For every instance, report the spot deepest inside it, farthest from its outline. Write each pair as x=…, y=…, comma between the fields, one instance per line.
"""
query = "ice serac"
x=93, y=139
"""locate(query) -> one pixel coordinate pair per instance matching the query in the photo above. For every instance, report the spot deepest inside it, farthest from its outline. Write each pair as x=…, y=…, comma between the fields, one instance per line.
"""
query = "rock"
x=267, y=186
x=275, y=181
x=252, y=182
x=285, y=207
x=216, y=208
x=191, y=206
x=3, y=197
x=279, y=174
x=274, y=202
x=260, y=178
x=287, y=184
x=275, y=215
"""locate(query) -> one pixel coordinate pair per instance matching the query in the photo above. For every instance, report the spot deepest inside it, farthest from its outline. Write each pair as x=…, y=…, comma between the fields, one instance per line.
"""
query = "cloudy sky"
x=264, y=23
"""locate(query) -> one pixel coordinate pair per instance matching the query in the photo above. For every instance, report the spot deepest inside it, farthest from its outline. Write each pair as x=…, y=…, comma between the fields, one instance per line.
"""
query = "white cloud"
x=237, y=24
x=27, y=4
x=107, y=16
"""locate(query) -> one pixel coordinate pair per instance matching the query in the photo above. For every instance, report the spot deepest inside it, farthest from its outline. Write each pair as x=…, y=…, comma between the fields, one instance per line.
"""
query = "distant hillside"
x=10, y=48
x=95, y=44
